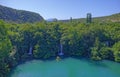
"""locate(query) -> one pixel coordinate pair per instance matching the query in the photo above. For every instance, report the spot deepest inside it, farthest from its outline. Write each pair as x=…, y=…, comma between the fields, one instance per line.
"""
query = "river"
x=69, y=67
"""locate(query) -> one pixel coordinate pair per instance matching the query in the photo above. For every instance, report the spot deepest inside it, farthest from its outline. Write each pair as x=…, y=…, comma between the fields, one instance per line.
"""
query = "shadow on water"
x=98, y=63
x=13, y=71
x=92, y=62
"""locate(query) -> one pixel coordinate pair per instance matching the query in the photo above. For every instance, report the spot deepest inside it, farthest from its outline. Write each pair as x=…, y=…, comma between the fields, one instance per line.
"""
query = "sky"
x=64, y=9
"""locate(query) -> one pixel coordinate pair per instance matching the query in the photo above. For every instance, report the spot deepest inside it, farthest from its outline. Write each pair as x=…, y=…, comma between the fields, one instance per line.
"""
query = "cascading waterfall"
x=30, y=50
x=61, y=50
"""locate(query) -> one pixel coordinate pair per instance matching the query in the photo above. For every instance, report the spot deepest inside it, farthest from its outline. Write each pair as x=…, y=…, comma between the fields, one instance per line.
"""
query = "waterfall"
x=107, y=43
x=30, y=51
x=61, y=50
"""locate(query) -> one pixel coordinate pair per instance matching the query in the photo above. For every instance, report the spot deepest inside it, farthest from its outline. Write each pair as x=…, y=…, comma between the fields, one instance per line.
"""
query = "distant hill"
x=111, y=18
x=51, y=20
x=19, y=16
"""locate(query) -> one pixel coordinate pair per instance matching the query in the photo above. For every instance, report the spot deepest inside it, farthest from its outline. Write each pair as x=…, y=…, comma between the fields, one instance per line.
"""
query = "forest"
x=41, y=40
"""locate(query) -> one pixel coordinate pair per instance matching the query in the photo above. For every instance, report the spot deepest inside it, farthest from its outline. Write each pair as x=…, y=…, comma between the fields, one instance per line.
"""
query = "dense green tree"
x=116, y=51
x=5, y=48
x=95, y=50
x=106, y=53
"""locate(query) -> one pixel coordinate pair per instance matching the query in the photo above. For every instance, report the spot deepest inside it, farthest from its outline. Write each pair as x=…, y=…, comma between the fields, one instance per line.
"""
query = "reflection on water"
x=69, y=67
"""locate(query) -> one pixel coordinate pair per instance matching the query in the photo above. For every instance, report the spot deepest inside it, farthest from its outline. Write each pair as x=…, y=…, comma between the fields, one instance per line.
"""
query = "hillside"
x=110, y=18
x=19, y=16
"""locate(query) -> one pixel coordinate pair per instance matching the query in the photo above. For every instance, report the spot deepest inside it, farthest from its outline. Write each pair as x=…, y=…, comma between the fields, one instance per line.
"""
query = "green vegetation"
x=19, y=16
x=5, y=48
x=96, y=40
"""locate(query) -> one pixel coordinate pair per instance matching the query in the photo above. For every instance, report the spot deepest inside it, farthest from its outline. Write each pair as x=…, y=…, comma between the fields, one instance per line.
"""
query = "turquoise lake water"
x=69, y=67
